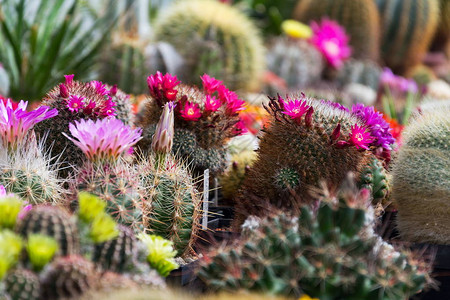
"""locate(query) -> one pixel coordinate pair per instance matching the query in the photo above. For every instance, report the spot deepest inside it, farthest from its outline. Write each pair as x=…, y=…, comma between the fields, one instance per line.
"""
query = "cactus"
x=364, y=72
x=123, y=108
x=421, y=176
x=173, y=204
x=54, y=222
x=118, y=254
x=374, y=177
x=359, y=18
x=408, y=30
x=296, y=61
x=211, y=43
x=67, y=277
x=22, y=284
x=322, y=252
x=441, y=38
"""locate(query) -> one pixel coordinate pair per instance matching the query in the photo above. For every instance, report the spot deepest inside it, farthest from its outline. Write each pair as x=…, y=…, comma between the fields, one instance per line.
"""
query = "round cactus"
x=67, y=277
x=421, y=176
x=296, y=61
x=211, y=43
x=364, y=72
x=123, y=108
x=54, y=222
x=22, y=284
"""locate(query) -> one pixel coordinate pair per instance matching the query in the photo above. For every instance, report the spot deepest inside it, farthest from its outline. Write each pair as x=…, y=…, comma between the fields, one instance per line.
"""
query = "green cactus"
x=226, y=45
x=22, y=284
x=420, y=177
x=408, y=30
x=359, y=18
x=308, y=153
x=67, y=277
x=54, y=222
x=123, y=108
x=119, y=254
x=172, y=203
x=364, y=72
x=323, y=252
x=374, y=177
x=296, y=61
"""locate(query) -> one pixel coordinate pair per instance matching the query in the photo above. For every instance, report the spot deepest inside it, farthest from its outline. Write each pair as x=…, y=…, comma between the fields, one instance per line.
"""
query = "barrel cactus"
x=22, y=284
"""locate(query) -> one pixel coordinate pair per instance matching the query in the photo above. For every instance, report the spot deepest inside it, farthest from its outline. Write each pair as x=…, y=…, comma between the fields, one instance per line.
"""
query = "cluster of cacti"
x=323, y=252
x=204, y=120
x=359, y=18
x=421, y=175
x=408, y=27
x=324, y=141
x=298, y=62
x=364, y=72
x=226, y=45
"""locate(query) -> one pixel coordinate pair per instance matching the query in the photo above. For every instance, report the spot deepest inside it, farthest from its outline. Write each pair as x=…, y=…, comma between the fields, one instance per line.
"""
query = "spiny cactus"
x=209, y=42
x=364, y=72
x=172, y=204
x=22, y=284
x=296, y=61
x=374, y=177
x=54, y=222
x=321, y=252
x=421, y=176
x=119, y=254
x=407, y=31
x=67, y=277
x=359, y=18
x=123, y=108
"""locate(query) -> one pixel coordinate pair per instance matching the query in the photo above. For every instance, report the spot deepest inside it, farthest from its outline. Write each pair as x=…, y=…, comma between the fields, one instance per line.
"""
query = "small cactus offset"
x=359, y=18
x=407, y=31
x=321, y=252
x=54, y=222
x=298, y=62
x=22, y=284
x=225, y=45
x=67, y=277
x=421, y=176
x=374, y=177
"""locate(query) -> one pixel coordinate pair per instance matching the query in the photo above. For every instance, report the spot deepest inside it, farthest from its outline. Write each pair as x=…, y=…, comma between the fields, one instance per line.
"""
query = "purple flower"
x=104, y=139
x=378, y=127
x=398, y=83
x=163, y=137
x=15, y=123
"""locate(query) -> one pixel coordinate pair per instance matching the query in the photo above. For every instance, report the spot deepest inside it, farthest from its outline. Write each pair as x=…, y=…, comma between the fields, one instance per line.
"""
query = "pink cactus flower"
x=15, y=123
x=234, y=104
x=210, y=84
x=69, y=79
x=90, y=107
x=23, y=212
x=212, y=104
x=100, y=87
x=240, y=128
x=163, y=87
x=360, y=137
x=191, y=112
x=108, y=109
x=163, y=137
x=332, y=41
x=103, y=139
x=295, y=109
x=2, y=191
x=75, y=103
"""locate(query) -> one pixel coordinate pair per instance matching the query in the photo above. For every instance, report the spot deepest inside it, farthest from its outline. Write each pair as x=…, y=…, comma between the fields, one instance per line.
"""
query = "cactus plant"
x=374, y=177
x=296, y=61
x=67, y=277
x=322, y=252
x=208, y=42
x=441, y=39
x=22, y=284
x=364, y=72
x=421, y=175
x=54, y=222
x=408, y=30
x=123, y=108
x=359, y=18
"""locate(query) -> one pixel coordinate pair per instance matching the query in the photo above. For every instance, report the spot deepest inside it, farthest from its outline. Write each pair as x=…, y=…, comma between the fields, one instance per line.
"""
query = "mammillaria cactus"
x=204, y=120
x=230, y=51
x=326, y=141
x=22, y=284
x=323, y=252
x=420, y=177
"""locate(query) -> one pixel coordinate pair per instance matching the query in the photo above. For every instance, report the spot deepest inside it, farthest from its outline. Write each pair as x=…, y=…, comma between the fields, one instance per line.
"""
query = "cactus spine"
x=408, y=30
x=359, y=17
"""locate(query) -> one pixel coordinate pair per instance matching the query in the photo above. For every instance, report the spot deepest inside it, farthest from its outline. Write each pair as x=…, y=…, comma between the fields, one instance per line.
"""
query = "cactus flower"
x=296, y=30
x=234, y=104
x=100, y=87
x=10, y=207
x=360, y=137
x=103, y=139
x=15, y=123
x=191, y=112
x=210, y=84
x=75, y=103
x=163, y=86
x=41, y=249
x=295, y=109
x=163, y=137
x=103, y=228
x=212, y=104
x=90, y=206
x=160, y=253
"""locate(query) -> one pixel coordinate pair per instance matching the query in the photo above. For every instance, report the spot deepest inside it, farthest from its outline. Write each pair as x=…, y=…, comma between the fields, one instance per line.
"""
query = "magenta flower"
x=69, y=79
x=397, y=83
x=103, y=139
x=191, y=112
x=212, y=104
x=163, y=137
x=89, y=108
x=332, y=41
x=234, y=104
x=100, y=87
x=240, y=128
x=2, y=191
x=23, y=212
x=108, y=109
x=75, y=103
x=163, y=87
x=360, y=137
x=15, y=123
x=295, y=109
x=210, y=84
